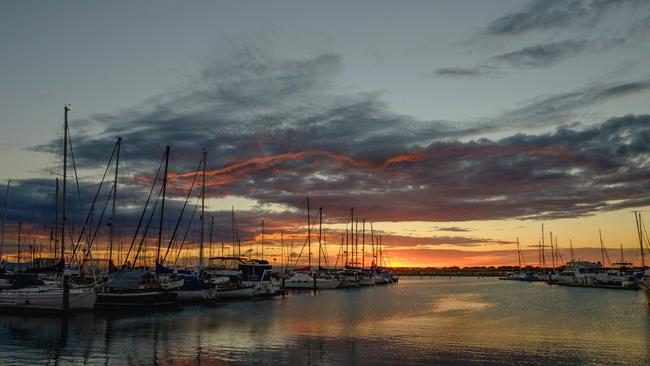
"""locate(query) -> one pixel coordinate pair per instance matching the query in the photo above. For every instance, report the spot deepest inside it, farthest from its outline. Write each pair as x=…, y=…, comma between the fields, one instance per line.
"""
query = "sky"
x=455, y=127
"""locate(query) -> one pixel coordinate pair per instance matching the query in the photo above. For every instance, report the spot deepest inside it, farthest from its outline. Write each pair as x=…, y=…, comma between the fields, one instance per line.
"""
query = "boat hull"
x=196, y=295
x=236, y=293
x=47, y=298
x=135, y=299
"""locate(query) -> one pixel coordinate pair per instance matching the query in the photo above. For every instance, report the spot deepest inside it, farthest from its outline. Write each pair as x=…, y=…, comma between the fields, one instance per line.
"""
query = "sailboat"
x=131, y=287
x=28, y=292
x=189, y=285
x=306, y=278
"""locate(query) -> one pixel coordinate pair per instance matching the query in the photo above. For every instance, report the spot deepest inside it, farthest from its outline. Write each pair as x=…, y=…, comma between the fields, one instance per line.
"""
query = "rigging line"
x=146, y=230
x=92, y=207
x=647, y=240
x=189, y=225
x=99, y=224
x=339, y=253
x=144, y=210
x=180, y=217
x=74, y=168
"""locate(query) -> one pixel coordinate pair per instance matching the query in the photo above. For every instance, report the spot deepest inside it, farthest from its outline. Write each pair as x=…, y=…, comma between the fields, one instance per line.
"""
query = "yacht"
x=302, y=280
x=134, y=289
x=28, y=292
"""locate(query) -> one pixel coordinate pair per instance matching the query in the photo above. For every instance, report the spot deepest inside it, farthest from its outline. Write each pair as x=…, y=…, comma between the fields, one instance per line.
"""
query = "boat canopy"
x=130, y=280
x=19, y=281
x=166, y=270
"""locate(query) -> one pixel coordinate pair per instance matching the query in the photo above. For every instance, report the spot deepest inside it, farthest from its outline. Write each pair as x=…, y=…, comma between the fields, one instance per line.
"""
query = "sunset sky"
x=455, y=127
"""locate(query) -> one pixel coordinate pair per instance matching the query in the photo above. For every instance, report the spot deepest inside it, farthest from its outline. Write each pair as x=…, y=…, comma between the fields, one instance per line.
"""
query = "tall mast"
x=542, y=248
x=518, y=254
x=162, y=204
x=602, y=247
x=112, y=227
x=233, y=230
x=4, y=219
x=211, y=230
x=571, y=244
x=309, y=233
x=372, y=245
x=320, y=233
x=56, y=220
x=20, y=225
x=356, y=243
x=637, y=217
x=363, y=245
x=65, y=185
x=205, y=155
x=552, y=250
x=381, y=258
x=64, y=279
x=262, y=245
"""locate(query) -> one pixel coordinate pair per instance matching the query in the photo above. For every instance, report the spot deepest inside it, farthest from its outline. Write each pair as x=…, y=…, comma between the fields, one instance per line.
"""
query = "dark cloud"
x=399, y=241
x=542, y=55
x=540, y=15
x=452, y=229
x=459, y=72
x=277, y=130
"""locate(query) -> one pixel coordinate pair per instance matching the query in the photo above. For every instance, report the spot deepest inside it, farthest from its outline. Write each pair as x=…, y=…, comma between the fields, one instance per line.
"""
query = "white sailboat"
x=28, y=292
x=301, y=280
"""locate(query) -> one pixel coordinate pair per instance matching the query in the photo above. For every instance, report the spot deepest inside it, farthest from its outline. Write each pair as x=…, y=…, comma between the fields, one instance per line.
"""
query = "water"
x=415, y=322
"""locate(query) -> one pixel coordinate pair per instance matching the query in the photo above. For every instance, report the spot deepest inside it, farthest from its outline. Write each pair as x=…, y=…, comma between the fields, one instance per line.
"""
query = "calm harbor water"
x=417, y=321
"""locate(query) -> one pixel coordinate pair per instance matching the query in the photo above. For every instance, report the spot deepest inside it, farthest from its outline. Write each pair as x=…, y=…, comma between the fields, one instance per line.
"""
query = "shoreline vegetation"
x=489, y=271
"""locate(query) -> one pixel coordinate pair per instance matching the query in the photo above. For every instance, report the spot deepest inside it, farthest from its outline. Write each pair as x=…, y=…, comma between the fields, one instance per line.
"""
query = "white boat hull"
x=301, y=281
x=47, y=298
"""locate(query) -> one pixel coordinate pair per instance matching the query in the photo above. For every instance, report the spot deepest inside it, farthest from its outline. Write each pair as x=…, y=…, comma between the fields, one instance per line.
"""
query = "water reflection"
x=439, y=321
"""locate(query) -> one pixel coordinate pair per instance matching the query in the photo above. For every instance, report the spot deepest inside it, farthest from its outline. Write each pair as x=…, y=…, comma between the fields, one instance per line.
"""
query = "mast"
x=4, y=219
x=211, y=230
x=381, y=258
x=518, y=254
x=112, y=227
x=356, y=243
x=372, y=246
x=363, y=245
x=320, y=233
x=602, y=247
x=552, y=250
x=56, y=220
x=571, y=244
x=20, y=225
x=262, y=244
x=233, y=232
x=66, y=289
x=352, y=233
x=309, y=233
x=162, y=204
x=637, y=217
x=205, y=155
x=542, y=249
